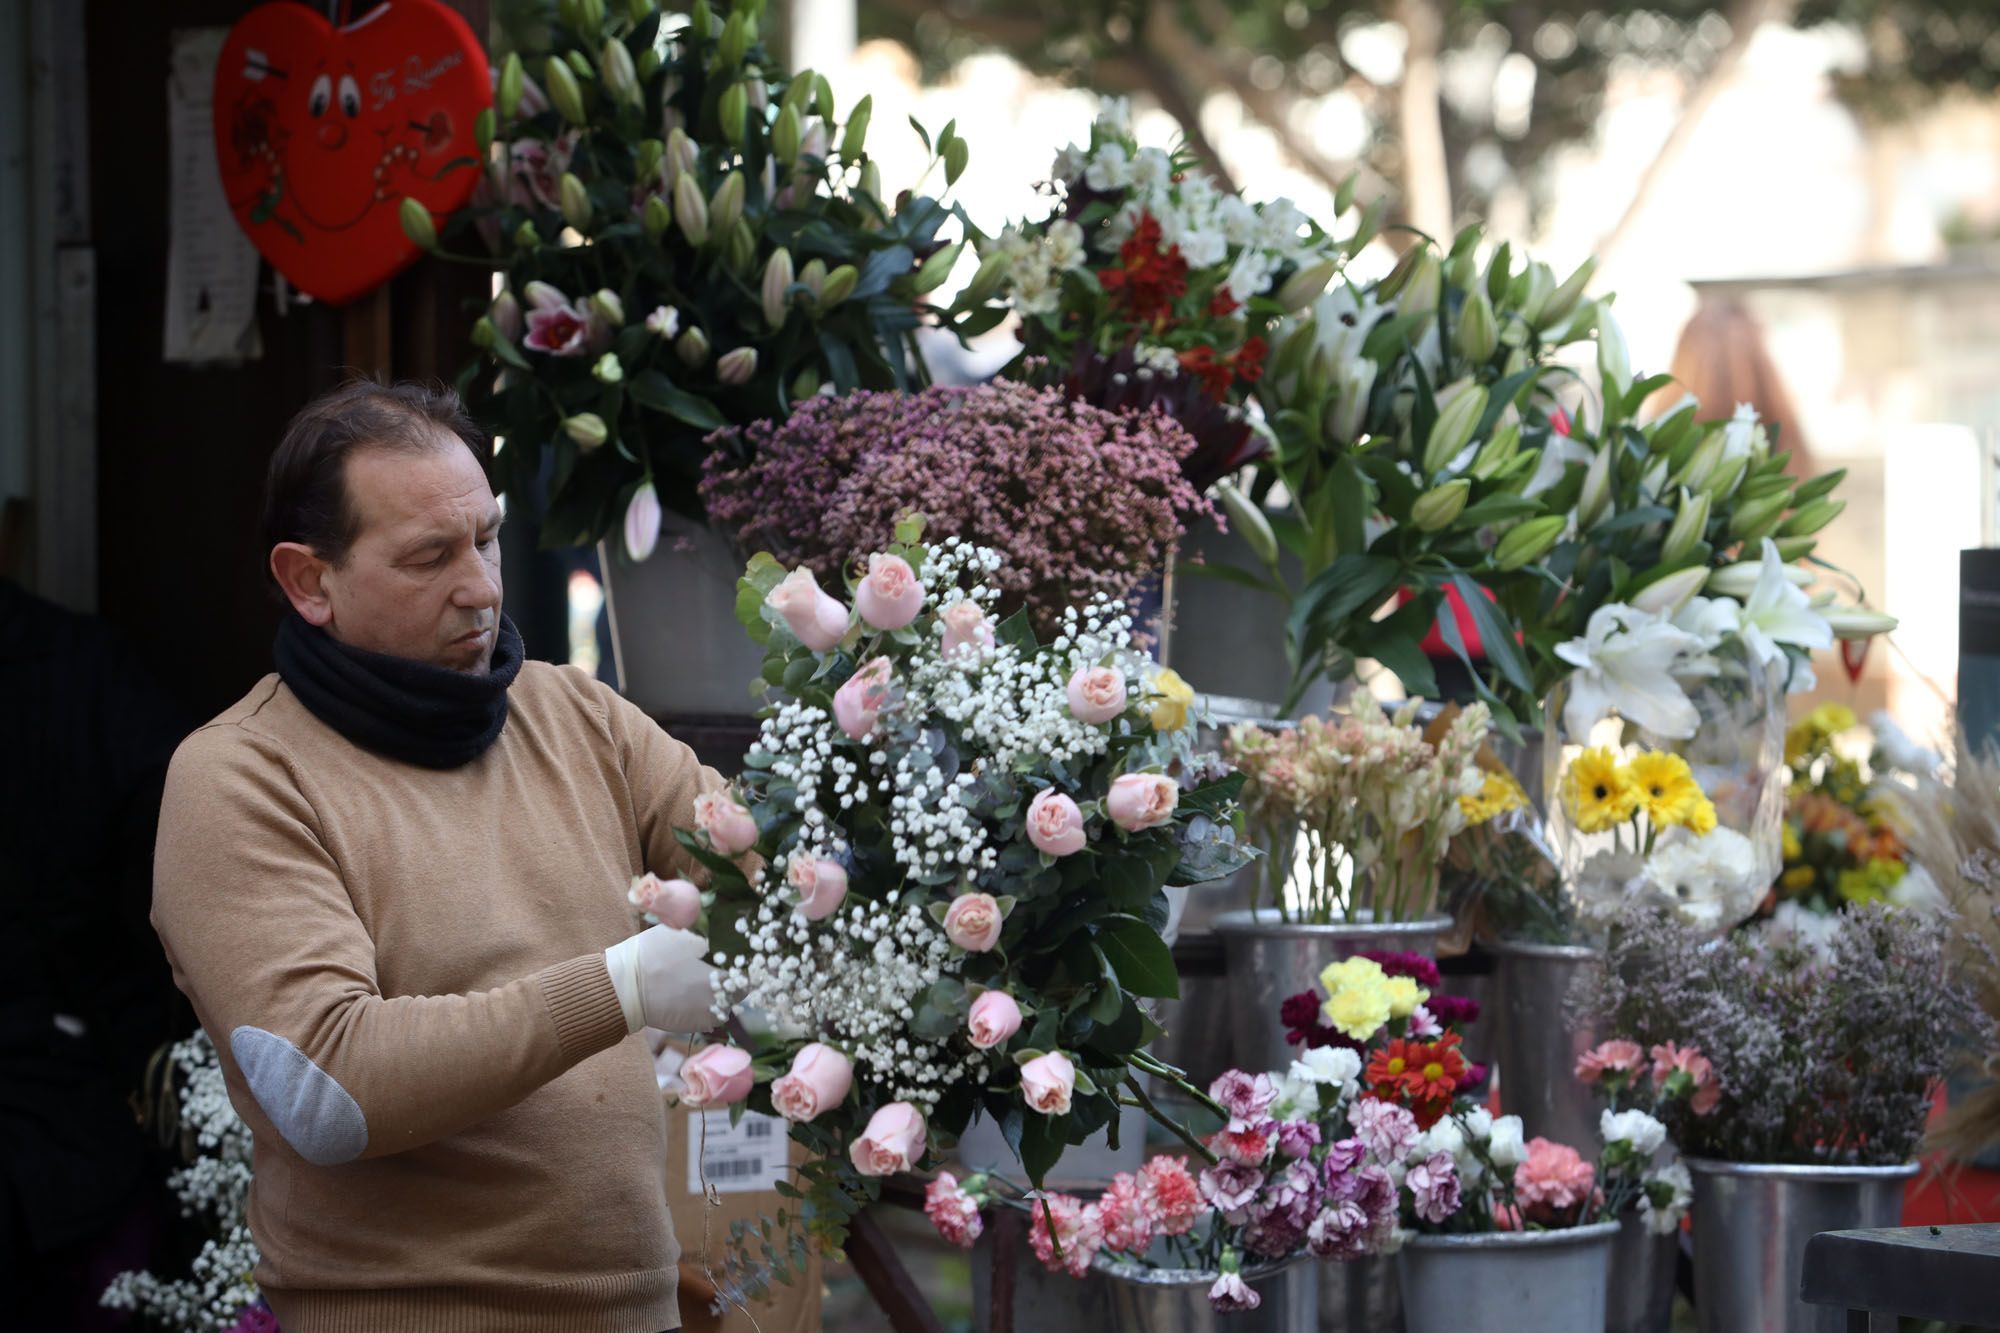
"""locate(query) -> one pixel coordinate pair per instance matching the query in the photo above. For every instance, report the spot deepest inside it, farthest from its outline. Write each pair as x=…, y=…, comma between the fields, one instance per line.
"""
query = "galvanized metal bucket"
x=1537, y=1047
x=1507, y=1281
x=1151, y=1300
x=1751, y=1224
x=674, y=632
x=1269, y=959
x=1640, y=1294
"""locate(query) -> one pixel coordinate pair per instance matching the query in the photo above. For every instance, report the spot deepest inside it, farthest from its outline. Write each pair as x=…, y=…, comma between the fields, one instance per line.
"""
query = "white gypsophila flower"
x=1634, y=1128
x=1335, y=1066
x=1664, y=1200
x=1507, y=1145
x=1626, y=663
x=1154, y=359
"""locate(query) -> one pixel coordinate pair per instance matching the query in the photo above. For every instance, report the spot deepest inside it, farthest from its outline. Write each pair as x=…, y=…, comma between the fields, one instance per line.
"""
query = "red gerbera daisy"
x=1434, y=1069
x=1389, y=1069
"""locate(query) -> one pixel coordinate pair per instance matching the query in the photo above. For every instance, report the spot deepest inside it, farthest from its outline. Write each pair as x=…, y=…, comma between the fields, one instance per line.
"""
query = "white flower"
x=1778, y=612
x=1556, y=456
x=1798, y=926
x=1898, y=749
x=1916, y=891
x=1478, y=1123
x=1297, y=1099
x=1152, y=172
x=1640, y=1131
x=1064, y=245
x=1280, y=223
x=1607, y=879
x=1114, y=114
x=1333, y=1065
x=1250, y=275
x=1625, y=663
x=1110, y=168
x=1713, y=880
x=1069, y=164
x=1508, y=1146
x=1710, y=619
x=1677, y=1188
x=1740, y=435
x=1445, y=1137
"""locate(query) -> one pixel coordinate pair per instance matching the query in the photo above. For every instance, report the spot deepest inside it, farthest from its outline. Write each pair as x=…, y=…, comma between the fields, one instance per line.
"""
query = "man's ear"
x=302, y=575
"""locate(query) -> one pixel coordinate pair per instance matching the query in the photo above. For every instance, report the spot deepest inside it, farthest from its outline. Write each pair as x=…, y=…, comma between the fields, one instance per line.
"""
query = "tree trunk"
x=1426, y=176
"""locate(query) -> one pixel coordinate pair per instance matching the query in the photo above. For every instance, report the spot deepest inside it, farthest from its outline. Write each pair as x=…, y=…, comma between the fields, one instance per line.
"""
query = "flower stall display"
x=1149, y=286
x=220, y=1293
x=1814, y=1076
x=964, y=837
x=690, y=239
x=1082, y=502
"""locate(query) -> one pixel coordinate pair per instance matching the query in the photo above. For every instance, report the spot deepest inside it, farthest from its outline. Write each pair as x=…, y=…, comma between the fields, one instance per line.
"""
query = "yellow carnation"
x=1598, y=792
x=1404, y=996
x=1359, y=1010
x=1172, y=697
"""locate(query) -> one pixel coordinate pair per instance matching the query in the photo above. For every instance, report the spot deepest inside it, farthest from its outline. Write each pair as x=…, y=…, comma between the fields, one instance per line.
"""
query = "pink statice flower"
x=1125, y=1216
x=1433, y=1185
x=1231, y=1188
x=1173, y=1200
x=1617, y=1056
x=1387, y=1130
x=1553, y=1183
x=953, y=1211
x=1077, y=1232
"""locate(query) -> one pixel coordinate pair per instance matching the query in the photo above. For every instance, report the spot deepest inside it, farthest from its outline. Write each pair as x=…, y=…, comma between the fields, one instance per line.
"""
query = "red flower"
x=1148, y=278
x=1218, y=373
x=1559, y=422
x=1222, y=303
x=1389, y=1068
x=1420, y=1075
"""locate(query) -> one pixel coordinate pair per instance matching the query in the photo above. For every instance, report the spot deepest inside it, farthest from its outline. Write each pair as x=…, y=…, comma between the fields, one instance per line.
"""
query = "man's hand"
x=661, y=980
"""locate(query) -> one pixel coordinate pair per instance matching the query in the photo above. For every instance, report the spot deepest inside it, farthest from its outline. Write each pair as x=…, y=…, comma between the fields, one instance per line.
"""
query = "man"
x=391, y=881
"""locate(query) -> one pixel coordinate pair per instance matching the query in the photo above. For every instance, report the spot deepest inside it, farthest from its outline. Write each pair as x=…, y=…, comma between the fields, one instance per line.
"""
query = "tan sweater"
x=402, y=969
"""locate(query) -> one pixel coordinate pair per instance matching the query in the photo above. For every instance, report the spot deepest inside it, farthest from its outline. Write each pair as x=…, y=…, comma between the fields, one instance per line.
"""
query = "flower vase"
x=1119, y=1297
x=1537, y=1043
x=1507, y=1281
x=1640, y=1295
x=1687, y=821
x=674, y=634
x=1751, y=1225
x=1226, y=640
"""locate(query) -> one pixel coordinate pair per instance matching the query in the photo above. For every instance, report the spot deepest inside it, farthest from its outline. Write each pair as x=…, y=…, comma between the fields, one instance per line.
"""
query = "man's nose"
x=479, y=586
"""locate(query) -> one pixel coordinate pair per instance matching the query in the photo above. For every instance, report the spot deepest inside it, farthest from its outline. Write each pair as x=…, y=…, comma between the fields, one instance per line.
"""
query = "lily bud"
x=590, y=16
x=1343, y=194
x=871, y=180
x=732, y=109
x=691, y=211
x=526, y=237
x=1399, y=276
x=785, y=137
x=656, y=217
x=985, y=281
x=727, y=204
x=484, y=335
x=575, y=202
x=1811, y=518
x=1460, y=406
x=692, y=348
x=1596, y=496
x=417, y=224
x=798, y=93
x=507, y=96
x=1854, y=622
x=1249, y=520
x=1820, y=485
x=1497, y=452
x=701, y=20
x=1540, y=287
x=805, y=384
x=839, y=285
x=1723, y=480
x=1528, y=541
x=680, y=157
x=609, y=369
x=608, y=307
x=813, y=277
x=1426, y=279
x=506, y=316
x=1690, y=521
x=1740, y=580
x=1564, y=300
x=564, y=93
x=735, y=40
x=1701, y=464
x=937, y=268
x=1348, y=406
x=483, y=126
x=735, y=368
x=740, y=249
x=587, y=429
x=1304, y=286
x=1439, y=507
x=822, y=104
x=777, y=282
x=853, y=138
x=1663, y=597
x=1794, y=548
x=1751, y=516
x=1500, y=273
x=1614, y=362
x=1477, y=334
x=621, y=78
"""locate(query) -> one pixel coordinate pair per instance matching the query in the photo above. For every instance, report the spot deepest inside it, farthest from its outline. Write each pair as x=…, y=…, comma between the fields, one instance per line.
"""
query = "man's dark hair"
x=305, y=492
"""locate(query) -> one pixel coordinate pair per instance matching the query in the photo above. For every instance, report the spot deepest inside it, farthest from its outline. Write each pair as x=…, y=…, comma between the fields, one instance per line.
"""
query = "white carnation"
x=1635, y=1128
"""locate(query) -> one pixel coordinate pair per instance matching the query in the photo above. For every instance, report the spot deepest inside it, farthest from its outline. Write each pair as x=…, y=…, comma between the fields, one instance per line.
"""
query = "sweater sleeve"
x=664, y=778
x=265, y=941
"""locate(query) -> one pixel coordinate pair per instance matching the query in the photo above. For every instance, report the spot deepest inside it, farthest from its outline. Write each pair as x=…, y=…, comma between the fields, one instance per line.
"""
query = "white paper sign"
x=744, y=1158
x=211, y=264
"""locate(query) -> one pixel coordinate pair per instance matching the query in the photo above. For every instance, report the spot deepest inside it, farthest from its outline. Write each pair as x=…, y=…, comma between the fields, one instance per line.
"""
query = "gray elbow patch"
x=318, y=1117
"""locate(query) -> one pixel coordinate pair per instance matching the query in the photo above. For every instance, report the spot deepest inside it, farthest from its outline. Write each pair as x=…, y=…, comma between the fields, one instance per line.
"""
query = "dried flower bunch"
x=1082, y=502
x=1825, y=1055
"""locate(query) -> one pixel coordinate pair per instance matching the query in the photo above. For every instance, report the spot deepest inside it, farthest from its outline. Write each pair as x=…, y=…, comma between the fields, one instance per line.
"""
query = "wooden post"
x=367, y=345
x=894, y=1290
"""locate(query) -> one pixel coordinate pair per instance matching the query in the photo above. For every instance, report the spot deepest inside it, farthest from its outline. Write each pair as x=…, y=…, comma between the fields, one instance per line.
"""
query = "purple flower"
x=1294, y=1191
x=1386, y=1129
x=256, y=1318
x=1245, y=1096
x=1297, y=1138
x=1433, y=1184
x=1342, y=1157
x=1412, y=965
x=1343, y=1230
x=1453, y=1010
x=1231, y=1188
x=1231, y=1293
x=1423, y=1024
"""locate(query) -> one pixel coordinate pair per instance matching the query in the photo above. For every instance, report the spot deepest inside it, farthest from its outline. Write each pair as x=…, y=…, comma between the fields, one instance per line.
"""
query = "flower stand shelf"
x=1941, y=1273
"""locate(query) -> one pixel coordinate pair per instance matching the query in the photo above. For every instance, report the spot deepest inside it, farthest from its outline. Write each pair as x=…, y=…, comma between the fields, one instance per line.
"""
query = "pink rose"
x=893, y=1141
x=675, y=902
x=1142, y=800
x=1612, y=1057
x=730, y=829
x=1047, y=1082
x=967, y=631
x=821, y=884
x=819, y=1081
x=858, y=702
x=890, y=596
x=815, y=619
x=973, y=922
x=716, y=1076
x=1055, y=825
x=1097, y=694
x=993, y=1019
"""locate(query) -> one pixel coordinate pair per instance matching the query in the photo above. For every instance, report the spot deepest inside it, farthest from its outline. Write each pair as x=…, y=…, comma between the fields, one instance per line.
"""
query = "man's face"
x=422, y=580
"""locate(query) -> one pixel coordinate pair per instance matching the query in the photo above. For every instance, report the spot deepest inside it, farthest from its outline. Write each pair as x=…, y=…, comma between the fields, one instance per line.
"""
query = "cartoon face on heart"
x=321, y=132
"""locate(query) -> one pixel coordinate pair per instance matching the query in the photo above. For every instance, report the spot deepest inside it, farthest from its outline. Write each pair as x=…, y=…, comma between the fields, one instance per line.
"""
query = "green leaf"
x=1144, y=964
x=1351, y=584
x=649, y=388
x=1495, y=634
x=1497, y=509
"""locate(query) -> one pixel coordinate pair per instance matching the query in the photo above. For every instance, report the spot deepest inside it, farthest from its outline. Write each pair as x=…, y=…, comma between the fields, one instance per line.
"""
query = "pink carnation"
x=1230, y=1188
x=1249, y=1142
x=952, y=1211
x=1433, y=1185
x=1553, y=1183
x=1173, y=1200
x=1618, y=1056
x=1387, y=1130
x=1231, y=1293
x=1244, y=1096
x=1124, y=1215
x=1077, y=1231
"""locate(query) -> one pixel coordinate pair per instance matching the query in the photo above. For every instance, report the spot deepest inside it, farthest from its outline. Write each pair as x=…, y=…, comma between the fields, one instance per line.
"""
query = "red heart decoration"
x=1853, y=656
x=322, y=132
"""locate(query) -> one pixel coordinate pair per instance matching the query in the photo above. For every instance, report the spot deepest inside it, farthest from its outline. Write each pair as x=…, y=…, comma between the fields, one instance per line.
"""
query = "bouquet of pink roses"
x=965, y=841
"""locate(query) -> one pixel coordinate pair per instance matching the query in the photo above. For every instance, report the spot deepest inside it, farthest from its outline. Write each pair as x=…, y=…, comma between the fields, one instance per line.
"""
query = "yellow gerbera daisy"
x=1666, y=789
x=1701, y=820
x=1598, y=792
x=1498, y=793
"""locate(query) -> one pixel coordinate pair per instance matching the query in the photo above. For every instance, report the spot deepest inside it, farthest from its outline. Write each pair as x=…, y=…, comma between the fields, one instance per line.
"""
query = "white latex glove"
x=661, y=980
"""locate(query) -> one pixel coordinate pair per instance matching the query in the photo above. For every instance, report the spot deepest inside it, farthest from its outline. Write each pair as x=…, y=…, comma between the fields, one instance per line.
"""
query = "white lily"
x=1777, y=612
x=1626, y=662
x=1738, y=437
x=1738, y=580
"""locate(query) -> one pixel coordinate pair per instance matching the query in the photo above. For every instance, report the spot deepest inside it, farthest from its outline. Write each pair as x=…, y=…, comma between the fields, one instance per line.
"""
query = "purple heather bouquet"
x=1082, y=502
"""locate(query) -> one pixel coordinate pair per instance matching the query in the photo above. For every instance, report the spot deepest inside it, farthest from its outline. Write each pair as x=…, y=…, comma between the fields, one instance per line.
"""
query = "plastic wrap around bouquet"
x=1666, y=778
x=965, y=837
